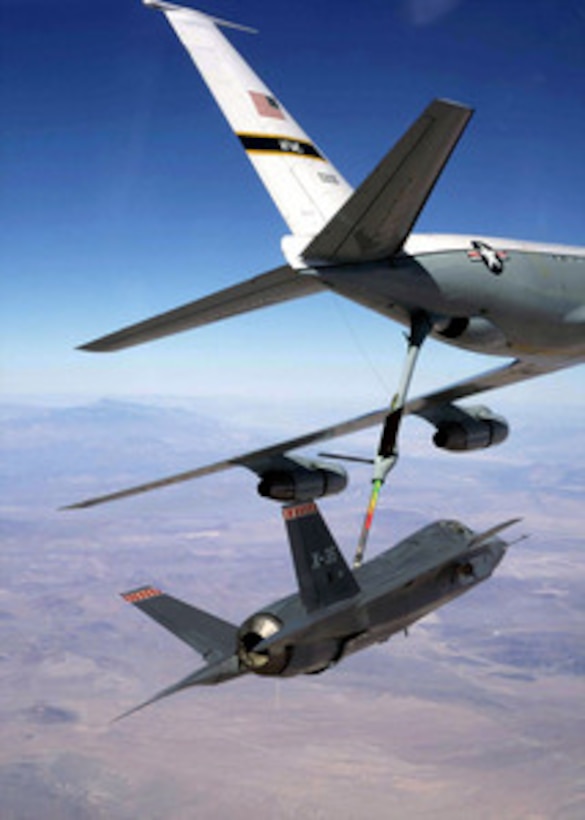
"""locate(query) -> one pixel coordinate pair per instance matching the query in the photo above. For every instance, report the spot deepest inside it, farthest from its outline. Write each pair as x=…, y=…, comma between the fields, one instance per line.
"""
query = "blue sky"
x=124, y=193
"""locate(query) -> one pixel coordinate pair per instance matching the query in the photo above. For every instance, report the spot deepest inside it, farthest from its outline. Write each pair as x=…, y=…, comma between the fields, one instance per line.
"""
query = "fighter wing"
x=424, y=406
x=278, y=285
x=218, y=672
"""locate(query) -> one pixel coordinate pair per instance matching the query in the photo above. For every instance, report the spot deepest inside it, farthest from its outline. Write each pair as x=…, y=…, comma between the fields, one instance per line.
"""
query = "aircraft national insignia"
x=266, y=106
x=492, y=259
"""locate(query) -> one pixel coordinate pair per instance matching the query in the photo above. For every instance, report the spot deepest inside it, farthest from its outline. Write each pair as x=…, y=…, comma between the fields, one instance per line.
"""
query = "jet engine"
x=476, y=332
x=470, y=428
x=255, y=629
x=302, y=480
x=287, y=661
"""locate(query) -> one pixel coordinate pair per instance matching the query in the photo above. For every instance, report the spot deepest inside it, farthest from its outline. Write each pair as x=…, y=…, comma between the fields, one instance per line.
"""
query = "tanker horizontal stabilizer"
x=278, y=285
x=376, y=220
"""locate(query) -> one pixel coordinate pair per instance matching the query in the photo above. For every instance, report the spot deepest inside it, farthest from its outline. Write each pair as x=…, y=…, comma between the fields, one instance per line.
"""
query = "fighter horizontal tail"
x=211, y=637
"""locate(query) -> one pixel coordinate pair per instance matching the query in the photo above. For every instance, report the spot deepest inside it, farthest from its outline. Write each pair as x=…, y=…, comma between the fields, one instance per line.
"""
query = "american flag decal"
x=142, y=594
x=266, y=106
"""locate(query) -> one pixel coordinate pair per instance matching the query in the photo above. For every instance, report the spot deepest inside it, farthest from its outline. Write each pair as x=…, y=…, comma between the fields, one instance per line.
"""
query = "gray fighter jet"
x=336, y=611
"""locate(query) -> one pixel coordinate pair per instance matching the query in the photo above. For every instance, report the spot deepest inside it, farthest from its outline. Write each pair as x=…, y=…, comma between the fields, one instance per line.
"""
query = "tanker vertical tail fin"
x=304, y=185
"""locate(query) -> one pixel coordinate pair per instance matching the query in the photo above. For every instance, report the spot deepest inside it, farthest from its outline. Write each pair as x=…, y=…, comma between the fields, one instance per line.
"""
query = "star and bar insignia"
x=482, y=252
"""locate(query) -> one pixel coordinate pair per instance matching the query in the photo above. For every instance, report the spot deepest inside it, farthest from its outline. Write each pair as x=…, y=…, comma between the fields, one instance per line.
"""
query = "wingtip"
x=482, y=537
x=79, y=505
x=455, y=104
x=161, y=6
x=105, y=344
x=88, y=348
x=224, y=669
x=134, y=709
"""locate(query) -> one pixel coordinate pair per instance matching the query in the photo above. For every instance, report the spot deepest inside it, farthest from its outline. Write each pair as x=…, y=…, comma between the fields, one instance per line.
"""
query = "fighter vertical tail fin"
x=322, y=572
x=305, y=187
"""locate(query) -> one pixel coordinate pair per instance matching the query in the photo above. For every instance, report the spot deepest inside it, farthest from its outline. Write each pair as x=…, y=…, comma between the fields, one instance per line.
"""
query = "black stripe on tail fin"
x=323, y=575
x=212, y=637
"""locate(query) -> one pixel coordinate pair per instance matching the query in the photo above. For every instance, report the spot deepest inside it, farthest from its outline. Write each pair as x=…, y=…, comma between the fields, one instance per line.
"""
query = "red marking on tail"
x=299, y=511
x=142, y=594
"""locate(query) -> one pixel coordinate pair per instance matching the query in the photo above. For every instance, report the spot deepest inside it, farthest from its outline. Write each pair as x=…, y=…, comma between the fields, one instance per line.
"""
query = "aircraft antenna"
x=387, y=455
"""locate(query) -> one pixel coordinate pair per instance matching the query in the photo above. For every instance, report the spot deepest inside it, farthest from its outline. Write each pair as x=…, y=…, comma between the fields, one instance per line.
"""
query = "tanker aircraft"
x=522, y=300
x=336, y=612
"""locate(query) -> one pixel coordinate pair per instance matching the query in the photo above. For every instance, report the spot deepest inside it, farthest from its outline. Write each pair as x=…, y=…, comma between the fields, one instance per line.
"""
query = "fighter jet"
x=336, y=612
x=490, y=295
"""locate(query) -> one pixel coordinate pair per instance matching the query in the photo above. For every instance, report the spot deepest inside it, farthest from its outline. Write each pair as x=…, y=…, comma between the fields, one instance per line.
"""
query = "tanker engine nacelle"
x=299, y=479
x=470, y=428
